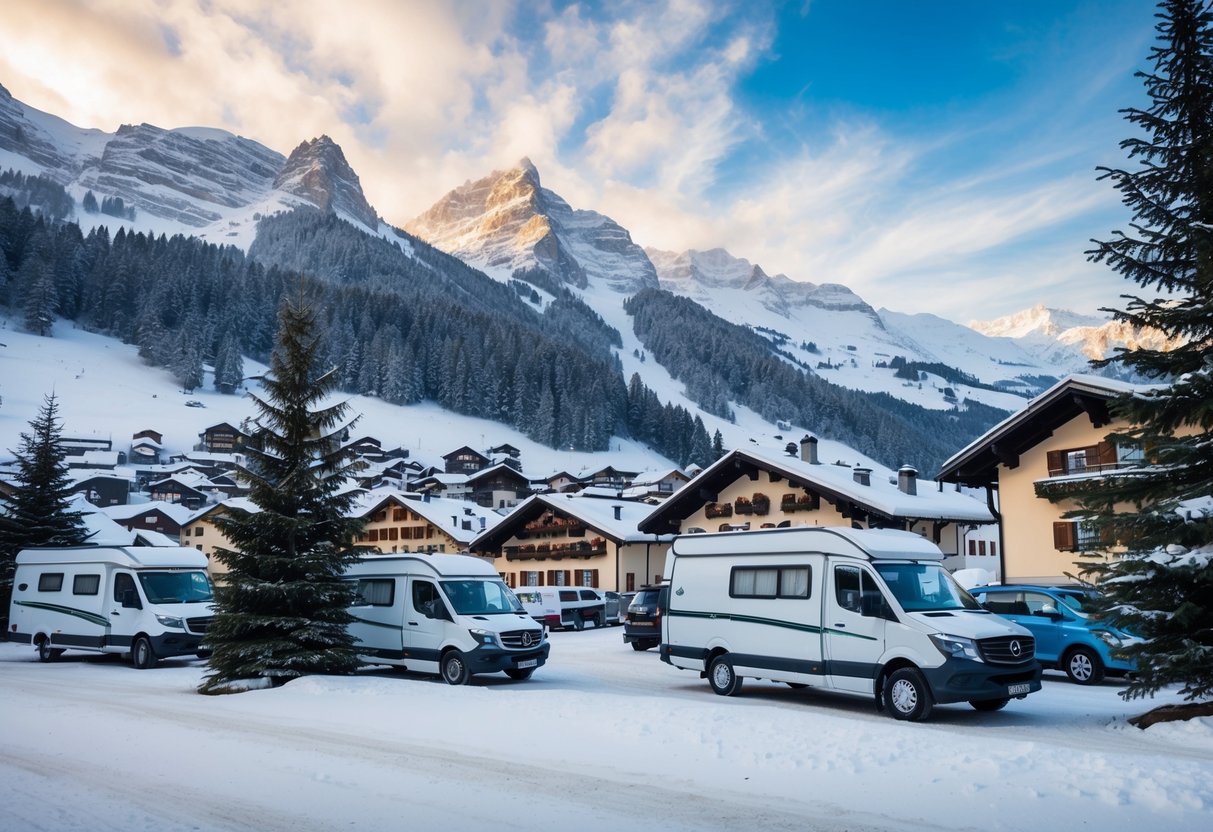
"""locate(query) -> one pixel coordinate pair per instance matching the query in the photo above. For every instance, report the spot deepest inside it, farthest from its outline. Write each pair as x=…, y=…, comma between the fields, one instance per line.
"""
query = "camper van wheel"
x=640, y=645
x=46, y=653
x=906, y=694
x=455, y=669
x=989, y=704
x=721, y=676
x=142, y=655
x=519, y=674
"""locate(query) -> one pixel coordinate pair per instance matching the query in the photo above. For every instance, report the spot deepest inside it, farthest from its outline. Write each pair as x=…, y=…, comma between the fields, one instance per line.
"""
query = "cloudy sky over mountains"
x=934, y=156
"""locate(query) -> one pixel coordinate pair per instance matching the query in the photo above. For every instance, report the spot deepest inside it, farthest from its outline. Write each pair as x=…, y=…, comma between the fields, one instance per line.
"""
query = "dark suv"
x=642, y=626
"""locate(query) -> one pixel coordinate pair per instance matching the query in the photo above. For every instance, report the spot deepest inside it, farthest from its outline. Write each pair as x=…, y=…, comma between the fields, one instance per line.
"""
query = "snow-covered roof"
x=447, y=514
x=931, y=501
x=976, y=463
x=611, y=517
x=174, y=511
x=241, y=503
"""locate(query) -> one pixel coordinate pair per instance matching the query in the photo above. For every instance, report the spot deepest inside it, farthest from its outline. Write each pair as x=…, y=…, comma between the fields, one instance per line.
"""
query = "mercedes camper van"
x=153, y=602
x=445, y=614
x=866, y=612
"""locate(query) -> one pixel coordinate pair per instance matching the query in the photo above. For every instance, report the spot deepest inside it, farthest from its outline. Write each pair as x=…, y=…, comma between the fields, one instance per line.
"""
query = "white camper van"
x=153, y=602
x=564, y=607
x=865, y=612
x=445, y=614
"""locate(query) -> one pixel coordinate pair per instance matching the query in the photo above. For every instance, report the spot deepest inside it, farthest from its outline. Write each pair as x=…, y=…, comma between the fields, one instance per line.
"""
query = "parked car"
x=642, y=624
x=1068, y=636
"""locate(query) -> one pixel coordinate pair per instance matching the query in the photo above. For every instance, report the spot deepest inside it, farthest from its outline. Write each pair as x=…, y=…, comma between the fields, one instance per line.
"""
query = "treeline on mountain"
x=719, y=361
x=404, y=323
x=36, y=192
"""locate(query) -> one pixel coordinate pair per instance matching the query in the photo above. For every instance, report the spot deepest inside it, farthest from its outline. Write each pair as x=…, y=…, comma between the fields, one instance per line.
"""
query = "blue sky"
x=933, y=156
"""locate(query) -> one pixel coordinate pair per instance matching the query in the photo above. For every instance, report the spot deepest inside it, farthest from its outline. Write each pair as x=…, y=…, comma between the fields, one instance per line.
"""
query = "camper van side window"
x=86, y=585
x=375, y=592
x=769, y=582
x=50, y=582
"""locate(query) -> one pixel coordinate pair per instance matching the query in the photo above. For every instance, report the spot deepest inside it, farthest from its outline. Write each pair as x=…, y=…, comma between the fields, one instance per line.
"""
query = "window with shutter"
x=1064, y=537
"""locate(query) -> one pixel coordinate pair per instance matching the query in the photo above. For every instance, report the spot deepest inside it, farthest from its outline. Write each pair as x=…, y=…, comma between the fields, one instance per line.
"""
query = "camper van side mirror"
x=433, y=609
x=130, y=600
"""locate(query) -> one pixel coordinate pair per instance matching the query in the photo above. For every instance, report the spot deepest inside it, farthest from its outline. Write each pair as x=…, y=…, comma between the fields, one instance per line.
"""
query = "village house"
x=401, y=522
x=199, y=531
x=655, y=486
x=465, y=460
x=754, y=489
x=498, y=486
x=158, y=516
x=587, y=539
x=101, y=487
x=190, y=490
x=1030, y=463
x=221, y=438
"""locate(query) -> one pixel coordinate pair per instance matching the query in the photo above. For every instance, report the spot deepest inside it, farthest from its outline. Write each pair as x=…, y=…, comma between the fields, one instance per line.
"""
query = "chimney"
x=808, y=449
x=863, y=476
x=618, y=512
x=907, y=479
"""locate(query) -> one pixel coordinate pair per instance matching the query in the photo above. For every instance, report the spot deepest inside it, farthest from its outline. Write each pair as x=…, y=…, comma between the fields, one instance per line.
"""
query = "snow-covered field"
x=601, y=738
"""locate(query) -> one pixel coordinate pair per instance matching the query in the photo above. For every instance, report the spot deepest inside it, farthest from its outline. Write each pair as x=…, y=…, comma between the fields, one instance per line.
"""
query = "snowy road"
x=601, y=738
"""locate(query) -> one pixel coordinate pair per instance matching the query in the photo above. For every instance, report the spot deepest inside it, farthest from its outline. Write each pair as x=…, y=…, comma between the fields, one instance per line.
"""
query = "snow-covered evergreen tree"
x=1159, y=579
x=282, y=609
x=40, y=512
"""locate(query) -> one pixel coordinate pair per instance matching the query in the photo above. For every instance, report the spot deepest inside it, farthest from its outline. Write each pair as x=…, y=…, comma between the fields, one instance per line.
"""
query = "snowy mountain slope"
x=104, y=389
x=833, y=330
x=509, y=221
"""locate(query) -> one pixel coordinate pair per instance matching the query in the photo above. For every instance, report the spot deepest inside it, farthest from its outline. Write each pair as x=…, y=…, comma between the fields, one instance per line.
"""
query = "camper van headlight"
x=485, y=637
x=957, y=647
x=170, y=621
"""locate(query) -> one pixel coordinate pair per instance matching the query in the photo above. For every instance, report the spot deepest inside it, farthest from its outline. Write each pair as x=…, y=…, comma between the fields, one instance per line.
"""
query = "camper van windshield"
x=925, y=587
x=481, y=597
x=175, y=587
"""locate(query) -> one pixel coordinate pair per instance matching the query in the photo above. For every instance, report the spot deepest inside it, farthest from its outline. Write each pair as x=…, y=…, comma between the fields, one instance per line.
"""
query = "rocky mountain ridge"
x=189, y=179
x=508, y=221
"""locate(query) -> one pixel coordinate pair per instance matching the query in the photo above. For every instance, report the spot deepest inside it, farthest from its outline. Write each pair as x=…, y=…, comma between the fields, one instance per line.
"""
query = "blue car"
x=1068, y=637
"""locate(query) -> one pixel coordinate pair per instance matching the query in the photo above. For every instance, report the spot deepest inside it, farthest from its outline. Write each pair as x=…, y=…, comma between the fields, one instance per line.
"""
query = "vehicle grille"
x=1008, y=649
x=199, y=625
x=516, y=639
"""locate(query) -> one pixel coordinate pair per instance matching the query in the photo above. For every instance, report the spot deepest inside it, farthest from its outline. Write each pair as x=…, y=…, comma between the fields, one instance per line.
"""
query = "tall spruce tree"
x=281, y=612
x=40, y=510
x=1159, y=577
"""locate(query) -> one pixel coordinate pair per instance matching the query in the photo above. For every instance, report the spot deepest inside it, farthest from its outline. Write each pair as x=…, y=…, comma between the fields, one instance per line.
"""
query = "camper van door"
x=125, y=607
x=854, y=642
x=425, y=617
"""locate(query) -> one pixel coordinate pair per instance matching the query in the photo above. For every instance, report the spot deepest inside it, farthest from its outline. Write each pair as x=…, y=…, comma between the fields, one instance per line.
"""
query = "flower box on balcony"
x=761, y=504
x=714, y=510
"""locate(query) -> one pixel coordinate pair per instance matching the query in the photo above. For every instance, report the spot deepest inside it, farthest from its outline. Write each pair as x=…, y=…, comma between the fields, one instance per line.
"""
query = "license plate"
x=529, y=663
x=1015, y=690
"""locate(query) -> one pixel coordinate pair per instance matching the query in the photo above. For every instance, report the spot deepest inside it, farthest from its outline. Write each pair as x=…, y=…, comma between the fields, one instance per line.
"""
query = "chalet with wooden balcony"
x=498, y=486
x=408, y=522
x=756, y=489
x=465, y=460
x=222, y=438
x=587, y=539
x=1032, y=463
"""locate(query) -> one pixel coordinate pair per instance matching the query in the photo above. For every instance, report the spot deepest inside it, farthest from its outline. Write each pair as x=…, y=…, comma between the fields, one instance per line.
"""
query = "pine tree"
x=40, y=512
x=282, y=611
x=1160, y=579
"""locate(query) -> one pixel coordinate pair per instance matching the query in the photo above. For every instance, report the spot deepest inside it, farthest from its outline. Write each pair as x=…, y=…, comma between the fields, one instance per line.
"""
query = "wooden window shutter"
x=1106, y=453
x=594, y=577
x=1057, y=463
x=551, y=577
x=1064, y=536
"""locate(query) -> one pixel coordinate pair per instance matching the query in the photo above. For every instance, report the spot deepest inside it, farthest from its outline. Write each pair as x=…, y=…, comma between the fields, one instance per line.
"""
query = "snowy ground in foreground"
x=601, y=738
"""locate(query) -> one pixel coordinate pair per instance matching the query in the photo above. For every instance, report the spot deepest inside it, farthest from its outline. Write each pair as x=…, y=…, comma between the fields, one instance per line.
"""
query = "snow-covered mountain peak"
x=317, y=171
x=508, y=221
x=1038, y=319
